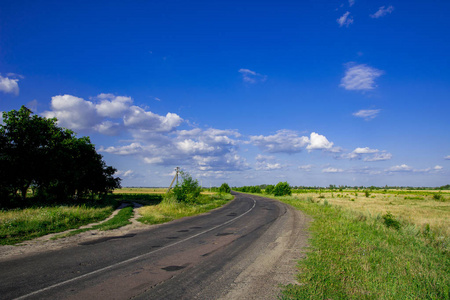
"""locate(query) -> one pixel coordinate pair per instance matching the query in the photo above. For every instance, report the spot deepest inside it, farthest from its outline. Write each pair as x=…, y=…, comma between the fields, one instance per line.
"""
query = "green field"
x=388, y=245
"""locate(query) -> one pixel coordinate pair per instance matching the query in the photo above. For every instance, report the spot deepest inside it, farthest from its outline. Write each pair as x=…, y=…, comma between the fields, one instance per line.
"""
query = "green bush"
x=282, y=189
x=269, y=189
x=189, y=190
x=225, y=188
x=390, y=221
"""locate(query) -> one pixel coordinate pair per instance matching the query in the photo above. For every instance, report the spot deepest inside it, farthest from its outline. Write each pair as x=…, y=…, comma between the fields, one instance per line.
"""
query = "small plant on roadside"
x=438, y=197
x=225, y=188
x=282, y=189
x=269, y=189
x=189, y=190
x=367, y=193
x=390, y=221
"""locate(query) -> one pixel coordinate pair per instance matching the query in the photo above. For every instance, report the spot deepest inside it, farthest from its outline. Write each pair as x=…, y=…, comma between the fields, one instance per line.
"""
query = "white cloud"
x=379, y=157
x=288, y=141
x=438, y=168
x=267, y=163
x=128, y=173
x=447, y=157
x=306, y=168
x=382, y=11
x=73, y=112
x=367, y=114
x=110, y=116
x=112, y=106
x=9, y=85
x=250, y=76
x=365, y=150
x=332, y=170
x=351, y=3
x=204, y=150
x=284, y=140
x=400, y=168
x=345, y=20
x=319, y=142
x=360, y=77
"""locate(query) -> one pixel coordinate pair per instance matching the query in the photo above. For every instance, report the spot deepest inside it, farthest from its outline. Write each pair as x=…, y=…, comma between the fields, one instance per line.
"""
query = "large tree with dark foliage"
x=36, y=153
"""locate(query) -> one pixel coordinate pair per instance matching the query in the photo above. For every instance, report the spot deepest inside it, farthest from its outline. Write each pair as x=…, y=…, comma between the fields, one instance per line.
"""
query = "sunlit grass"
x=353, y=254
x=24, y=224
x=420, y=209
x=169, y=209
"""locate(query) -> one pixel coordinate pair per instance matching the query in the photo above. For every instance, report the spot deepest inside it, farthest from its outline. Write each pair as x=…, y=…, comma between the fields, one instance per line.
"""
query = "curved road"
x=242, y=250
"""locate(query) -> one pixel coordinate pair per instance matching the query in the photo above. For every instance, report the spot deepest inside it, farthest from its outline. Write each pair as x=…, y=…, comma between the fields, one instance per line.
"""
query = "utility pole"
x=177, y=170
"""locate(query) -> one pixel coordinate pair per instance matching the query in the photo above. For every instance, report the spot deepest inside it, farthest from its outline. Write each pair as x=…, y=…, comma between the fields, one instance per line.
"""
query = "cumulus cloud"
x=382, y=11
x=367, y=114
x=9, y=85
x=319, y=142
x=345, y=19
x=250, y=76
x=128, y=173
x=205, y=150
x=267, y=163
x=368, y=154
x=379, y=157
x=288, y=141
x=109, y=114
x=360, y=77
x=306, y=168
x=447, y=157
x=332, y=170
x=73, y=112
x=113, y=106
x=400, y=168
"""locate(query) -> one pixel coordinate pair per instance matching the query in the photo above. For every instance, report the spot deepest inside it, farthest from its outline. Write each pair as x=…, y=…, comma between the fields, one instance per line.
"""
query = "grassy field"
x=388, y=245
x=17, y=225
x=24, y=224
x=169, y=209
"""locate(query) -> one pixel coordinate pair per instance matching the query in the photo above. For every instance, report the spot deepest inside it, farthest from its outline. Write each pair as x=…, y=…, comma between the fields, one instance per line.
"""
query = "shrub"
x=282, y=189
x=225, y=188
x=189, y=190
x=390, y=221
x=269, y=189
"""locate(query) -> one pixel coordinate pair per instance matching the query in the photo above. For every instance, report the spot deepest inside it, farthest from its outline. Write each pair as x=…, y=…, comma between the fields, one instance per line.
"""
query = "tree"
x=225, y=188
x=35, y=152
x=282, y=189
x=269, y=189
x=189, y=190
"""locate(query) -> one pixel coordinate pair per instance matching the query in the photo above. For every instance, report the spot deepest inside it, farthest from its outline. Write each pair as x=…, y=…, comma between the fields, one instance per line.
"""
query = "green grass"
x=24, y=224
x=121, y=219
x=169, y=209
x=355, y=256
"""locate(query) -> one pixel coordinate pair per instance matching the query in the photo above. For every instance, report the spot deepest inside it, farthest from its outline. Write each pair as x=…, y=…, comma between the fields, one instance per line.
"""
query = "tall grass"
x=353, y=255
x=170, y=209
x=24, y=224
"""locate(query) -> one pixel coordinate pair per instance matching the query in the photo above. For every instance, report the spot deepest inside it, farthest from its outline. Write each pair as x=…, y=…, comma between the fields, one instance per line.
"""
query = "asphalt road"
x=231, y=252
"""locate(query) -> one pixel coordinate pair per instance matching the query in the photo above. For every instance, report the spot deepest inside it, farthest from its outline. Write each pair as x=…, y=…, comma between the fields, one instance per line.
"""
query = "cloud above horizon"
x=382, y=11
x=250, y=76
x=345, y=20
x=367, y=114
x=360, y=77
x=9, y=85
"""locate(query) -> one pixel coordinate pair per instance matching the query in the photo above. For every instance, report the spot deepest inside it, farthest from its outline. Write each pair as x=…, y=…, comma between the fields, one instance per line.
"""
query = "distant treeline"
x=343, y=187
x=38, y=156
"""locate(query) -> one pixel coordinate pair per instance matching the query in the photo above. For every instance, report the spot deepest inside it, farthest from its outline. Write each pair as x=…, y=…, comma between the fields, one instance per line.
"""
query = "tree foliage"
x=224, y=188
x=269, y=189
x=282, y=189
x=189, y=189
x=36, y=153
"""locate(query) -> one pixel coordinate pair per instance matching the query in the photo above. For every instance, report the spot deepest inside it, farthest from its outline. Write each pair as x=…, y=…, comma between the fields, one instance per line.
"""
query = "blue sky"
x=245, y=92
